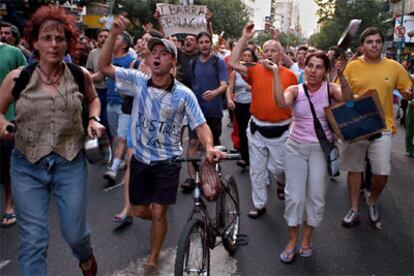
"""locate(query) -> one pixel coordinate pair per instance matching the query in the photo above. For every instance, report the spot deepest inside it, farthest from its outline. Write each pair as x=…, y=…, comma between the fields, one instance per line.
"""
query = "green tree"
x=286, y=39
x=262, y=37
x=326, y=9
x=369, y=11
x=140, y=12
x=229, y=16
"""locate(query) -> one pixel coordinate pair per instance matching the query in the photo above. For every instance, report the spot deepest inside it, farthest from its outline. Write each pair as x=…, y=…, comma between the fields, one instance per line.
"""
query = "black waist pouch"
x=268, y=131
x=374, y=136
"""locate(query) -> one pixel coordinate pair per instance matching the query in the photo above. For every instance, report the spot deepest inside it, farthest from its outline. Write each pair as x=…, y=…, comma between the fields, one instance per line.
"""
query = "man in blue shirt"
x=208, y=74
x=118, y=121
x=158, y=114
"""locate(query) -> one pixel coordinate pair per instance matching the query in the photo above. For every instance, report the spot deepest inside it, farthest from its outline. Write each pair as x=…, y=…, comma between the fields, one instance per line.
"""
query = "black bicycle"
x=201, y=230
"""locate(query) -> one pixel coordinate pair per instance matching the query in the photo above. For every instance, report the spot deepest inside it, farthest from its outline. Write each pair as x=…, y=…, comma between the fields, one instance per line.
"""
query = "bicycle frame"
x=212, y=228
x=216, y=229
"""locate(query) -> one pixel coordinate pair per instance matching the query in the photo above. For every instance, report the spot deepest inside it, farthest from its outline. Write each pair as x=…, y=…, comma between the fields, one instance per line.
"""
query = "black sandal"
x=280, y=191
x=256, y=213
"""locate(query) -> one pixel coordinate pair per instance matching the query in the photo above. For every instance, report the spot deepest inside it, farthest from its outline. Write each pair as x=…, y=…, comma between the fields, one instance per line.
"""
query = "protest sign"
x=190, y=19
x=358, y=119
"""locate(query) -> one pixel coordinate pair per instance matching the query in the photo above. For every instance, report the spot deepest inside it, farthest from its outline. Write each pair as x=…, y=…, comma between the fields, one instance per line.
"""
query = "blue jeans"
x=32, y=187
x=102, y=94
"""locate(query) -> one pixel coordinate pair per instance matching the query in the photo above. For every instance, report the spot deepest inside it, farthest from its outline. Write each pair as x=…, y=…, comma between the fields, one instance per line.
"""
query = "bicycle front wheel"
x=193, y=254
x=230, y=214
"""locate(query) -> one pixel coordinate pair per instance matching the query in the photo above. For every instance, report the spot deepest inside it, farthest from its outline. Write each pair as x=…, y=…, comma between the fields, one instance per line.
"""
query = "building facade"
x=250, y=8
x=287, y=18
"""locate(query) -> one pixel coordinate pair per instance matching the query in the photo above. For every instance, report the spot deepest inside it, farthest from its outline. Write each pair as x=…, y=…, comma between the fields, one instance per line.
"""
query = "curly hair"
x=55, y=13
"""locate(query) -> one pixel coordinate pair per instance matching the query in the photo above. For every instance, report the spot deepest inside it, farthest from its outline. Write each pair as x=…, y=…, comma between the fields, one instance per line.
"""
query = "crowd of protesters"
x=144, y=92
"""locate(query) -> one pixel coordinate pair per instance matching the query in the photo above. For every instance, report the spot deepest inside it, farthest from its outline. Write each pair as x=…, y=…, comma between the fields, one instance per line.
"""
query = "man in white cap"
x=158, y=112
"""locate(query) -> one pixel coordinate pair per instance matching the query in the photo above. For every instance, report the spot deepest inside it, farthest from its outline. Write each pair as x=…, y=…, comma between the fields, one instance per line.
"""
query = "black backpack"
x=23, y=80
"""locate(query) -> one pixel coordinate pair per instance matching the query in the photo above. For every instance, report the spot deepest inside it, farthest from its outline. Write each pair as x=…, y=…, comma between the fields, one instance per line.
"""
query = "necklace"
x=55, y=83
x=49, y=80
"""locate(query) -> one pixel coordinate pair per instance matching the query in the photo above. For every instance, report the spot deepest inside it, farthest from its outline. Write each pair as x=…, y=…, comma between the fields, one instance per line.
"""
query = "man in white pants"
x=268, y=126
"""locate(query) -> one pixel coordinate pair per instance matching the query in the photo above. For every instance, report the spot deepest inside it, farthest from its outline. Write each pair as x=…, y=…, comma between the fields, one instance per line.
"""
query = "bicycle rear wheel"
x=193, y=254
x=230, y=214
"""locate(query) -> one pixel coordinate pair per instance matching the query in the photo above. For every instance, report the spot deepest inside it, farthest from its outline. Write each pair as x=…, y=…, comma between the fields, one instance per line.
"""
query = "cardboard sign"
x=190, y=19
x=358, y=119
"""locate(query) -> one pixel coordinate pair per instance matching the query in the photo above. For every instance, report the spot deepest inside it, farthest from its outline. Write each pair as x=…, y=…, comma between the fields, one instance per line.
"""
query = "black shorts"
x=215, y=125
x=6, y=148
x=156, y=183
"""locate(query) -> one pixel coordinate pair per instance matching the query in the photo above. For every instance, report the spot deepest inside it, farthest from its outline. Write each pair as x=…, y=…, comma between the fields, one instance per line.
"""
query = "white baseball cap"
x=169, y=45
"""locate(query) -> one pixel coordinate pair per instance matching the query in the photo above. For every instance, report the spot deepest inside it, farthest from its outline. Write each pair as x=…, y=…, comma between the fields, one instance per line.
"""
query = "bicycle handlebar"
x=230, y=156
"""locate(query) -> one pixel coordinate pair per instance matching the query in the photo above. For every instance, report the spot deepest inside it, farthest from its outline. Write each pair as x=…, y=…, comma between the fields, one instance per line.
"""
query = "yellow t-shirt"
x=383, y=77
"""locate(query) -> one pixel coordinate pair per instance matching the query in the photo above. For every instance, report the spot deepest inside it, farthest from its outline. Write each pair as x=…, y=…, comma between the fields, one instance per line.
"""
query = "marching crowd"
x=146, y=93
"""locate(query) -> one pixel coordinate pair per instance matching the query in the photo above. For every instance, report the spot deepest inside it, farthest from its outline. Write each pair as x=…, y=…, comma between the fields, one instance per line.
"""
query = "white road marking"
x=220, y=264
x=4, y=263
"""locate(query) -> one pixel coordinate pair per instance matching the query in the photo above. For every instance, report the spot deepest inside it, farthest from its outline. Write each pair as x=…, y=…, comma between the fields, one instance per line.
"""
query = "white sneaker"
x=351, y=219
x=123, y=164
x=373, y=212
x=110, y=175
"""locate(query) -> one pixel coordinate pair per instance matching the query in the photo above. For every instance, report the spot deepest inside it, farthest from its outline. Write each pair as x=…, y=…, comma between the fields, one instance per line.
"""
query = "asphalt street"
x=337, y=250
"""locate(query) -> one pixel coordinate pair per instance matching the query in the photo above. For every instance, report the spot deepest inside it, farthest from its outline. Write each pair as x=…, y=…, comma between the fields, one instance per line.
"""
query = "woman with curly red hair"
x=48, y=157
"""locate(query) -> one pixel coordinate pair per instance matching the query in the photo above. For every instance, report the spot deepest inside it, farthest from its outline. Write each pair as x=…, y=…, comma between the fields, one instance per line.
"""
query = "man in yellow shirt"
x=368, y=72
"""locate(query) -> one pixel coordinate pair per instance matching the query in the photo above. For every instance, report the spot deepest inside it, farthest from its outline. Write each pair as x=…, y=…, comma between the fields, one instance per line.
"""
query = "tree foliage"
x=140, y=12
x=369, y=11
x=229, y=16
x=326, y=9
x=286, y=39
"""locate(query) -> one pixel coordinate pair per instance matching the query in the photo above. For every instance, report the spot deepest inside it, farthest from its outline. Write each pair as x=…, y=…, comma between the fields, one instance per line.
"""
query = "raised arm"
x=209, y=17
x=97, y=76
x=105, y=57
x=157, y=16
x=344, y=93
x=240, y=45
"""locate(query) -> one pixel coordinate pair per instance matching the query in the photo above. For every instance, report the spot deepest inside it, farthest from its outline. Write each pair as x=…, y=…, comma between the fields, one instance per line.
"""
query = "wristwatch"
x=95, y=118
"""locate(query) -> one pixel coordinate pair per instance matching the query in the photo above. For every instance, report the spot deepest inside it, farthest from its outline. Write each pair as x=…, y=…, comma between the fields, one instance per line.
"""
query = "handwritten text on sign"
x=189, y=19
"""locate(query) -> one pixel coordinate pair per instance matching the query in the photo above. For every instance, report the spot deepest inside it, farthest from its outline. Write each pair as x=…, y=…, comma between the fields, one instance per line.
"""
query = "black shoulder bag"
x=329, y=149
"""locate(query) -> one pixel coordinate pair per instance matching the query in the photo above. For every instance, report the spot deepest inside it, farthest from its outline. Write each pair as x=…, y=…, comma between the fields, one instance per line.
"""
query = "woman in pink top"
x=305, y=165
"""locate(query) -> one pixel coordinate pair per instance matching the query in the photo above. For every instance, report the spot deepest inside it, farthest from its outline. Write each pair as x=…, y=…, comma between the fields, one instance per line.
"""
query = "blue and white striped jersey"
x=158, y=115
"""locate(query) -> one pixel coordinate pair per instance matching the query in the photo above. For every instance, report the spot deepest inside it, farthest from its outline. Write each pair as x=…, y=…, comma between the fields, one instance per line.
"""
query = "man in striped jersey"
x=160, y=106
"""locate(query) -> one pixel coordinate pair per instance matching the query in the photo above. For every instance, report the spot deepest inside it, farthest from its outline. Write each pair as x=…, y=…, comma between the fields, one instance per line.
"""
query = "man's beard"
x=205, y=53
x=3, y=39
